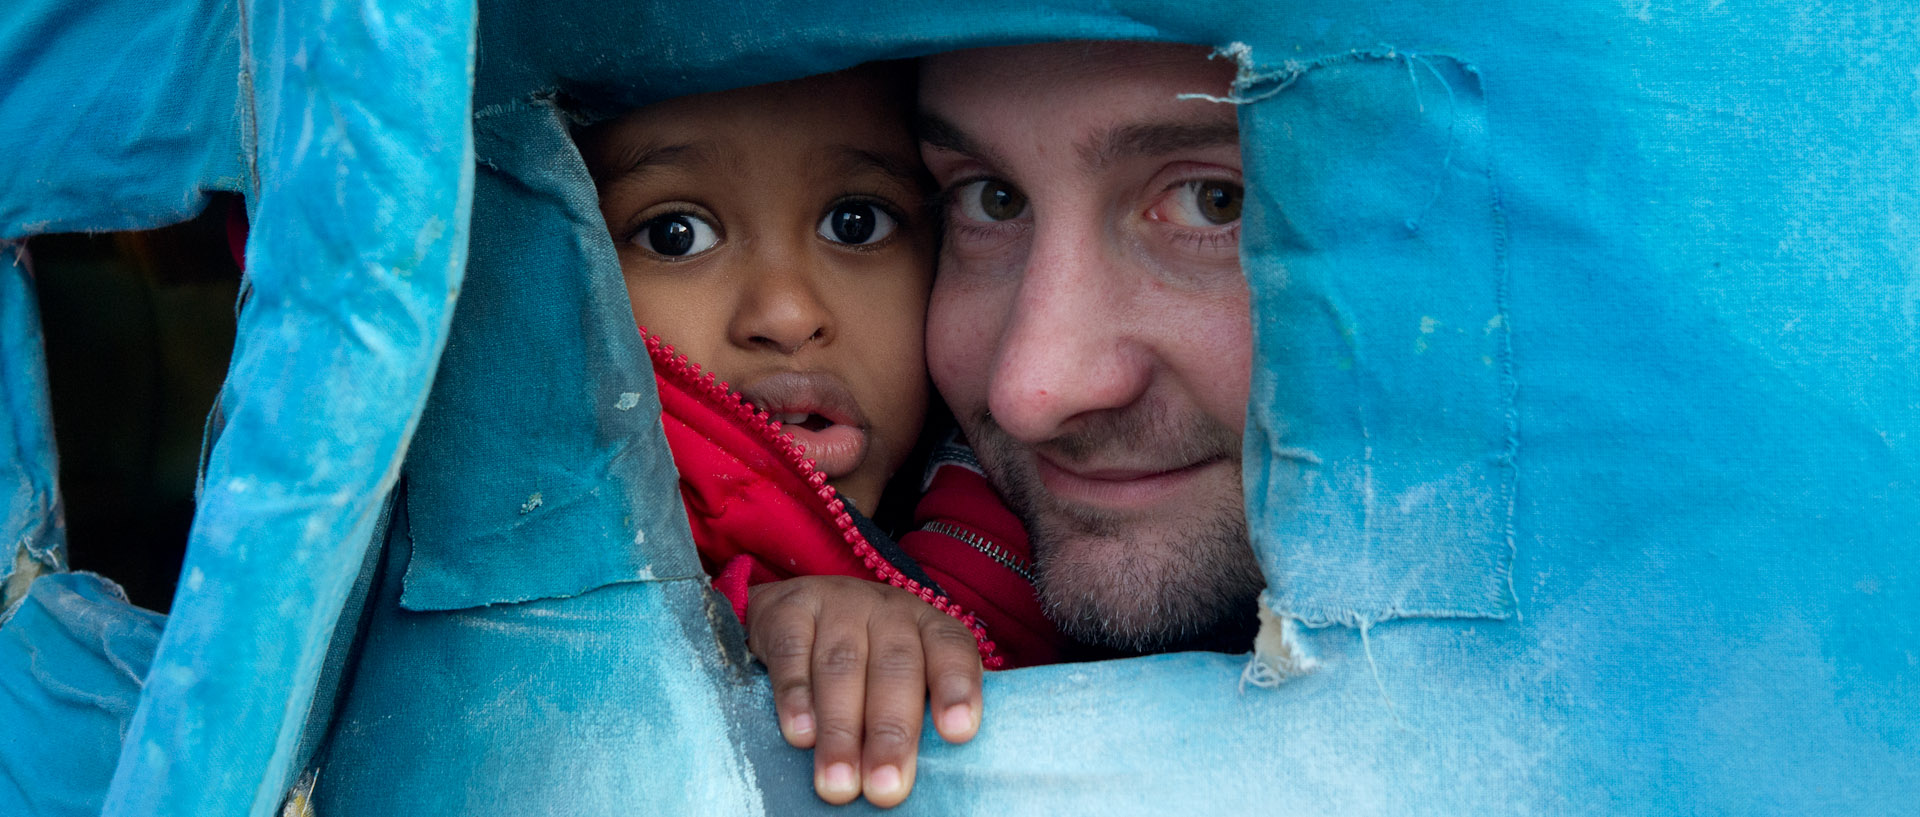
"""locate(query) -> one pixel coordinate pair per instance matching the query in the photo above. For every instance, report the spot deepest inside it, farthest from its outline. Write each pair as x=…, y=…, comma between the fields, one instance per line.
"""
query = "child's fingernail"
x=801, y=725
x=885, y=781
x=838, y=780
x=957, y=719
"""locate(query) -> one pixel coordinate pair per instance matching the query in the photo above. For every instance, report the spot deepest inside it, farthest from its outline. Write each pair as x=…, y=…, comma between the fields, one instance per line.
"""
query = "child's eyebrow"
x=639, y=158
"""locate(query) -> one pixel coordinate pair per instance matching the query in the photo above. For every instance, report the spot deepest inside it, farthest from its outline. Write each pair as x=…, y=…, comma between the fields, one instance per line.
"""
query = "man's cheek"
x=962, y=330
x=1228, y=337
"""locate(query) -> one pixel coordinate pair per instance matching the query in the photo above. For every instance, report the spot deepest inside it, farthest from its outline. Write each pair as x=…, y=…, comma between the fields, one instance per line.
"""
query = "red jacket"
x=760, y=512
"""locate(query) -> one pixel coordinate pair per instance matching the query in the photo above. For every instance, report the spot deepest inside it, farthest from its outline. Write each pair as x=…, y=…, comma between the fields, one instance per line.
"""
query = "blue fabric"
x=117, y=115
x=31, y=526
x=1383, y=411
x=1583, y=447
x=72, y=655
x=532, y=476
x=353, y=263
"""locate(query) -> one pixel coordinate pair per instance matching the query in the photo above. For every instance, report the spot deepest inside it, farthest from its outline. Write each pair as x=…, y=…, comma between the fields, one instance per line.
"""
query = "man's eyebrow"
x=945, y=135
x=1147, y=139
x=908, y=173
x=1126, y=141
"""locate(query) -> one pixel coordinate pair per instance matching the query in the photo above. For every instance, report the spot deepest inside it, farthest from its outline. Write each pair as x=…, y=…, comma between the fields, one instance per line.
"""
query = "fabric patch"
x=540, y=469
x=1381, y=434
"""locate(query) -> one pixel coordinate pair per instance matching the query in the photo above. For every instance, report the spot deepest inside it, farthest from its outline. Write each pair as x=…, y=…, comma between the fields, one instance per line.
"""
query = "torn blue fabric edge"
x=1381, y=427
x=117, y=115
x=632, y=663
x=528, y=478
x=31, y=527
x=72, y=656
x=352, y=287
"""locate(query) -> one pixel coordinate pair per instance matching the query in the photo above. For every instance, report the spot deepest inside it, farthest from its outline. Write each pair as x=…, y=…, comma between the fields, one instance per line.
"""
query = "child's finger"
x=896, y=704
x=839, y=701
x=953, y=677
x=780, y=632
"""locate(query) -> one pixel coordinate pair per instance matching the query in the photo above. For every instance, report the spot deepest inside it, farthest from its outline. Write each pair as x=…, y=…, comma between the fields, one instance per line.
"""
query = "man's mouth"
x=821, y=414
x=1121, y=488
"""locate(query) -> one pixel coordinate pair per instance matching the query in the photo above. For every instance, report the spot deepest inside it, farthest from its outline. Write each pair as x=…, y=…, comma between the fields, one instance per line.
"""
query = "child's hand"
x=852, y=662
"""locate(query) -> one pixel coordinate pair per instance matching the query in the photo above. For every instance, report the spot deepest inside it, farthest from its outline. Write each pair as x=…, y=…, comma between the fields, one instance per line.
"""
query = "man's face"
x=1089, y=323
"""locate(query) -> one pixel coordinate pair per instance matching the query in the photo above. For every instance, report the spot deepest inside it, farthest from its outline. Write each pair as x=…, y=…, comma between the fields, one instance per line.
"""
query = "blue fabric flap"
x=540, y=469
x=1382, y=419
x=118, y=114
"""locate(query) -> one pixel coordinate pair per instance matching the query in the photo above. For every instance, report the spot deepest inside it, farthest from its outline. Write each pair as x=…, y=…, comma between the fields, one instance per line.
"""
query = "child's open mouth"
x=821, y=414
x=810, y=422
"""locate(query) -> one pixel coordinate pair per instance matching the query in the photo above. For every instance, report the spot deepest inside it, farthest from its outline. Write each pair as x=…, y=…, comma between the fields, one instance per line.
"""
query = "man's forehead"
x=1050, y=62
x=1107, y=100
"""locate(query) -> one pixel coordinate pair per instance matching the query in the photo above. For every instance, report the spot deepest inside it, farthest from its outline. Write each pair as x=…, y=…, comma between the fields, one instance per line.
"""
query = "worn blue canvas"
x=1583, y=453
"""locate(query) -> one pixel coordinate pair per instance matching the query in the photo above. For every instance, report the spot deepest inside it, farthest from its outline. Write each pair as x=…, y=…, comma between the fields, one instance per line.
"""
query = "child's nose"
x=782, y=312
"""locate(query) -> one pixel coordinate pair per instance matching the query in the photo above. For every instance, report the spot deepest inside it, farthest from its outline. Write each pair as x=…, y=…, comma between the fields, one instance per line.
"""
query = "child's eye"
x=1201, y=203
x=990, y=200
x=675, y=235
x=856, y=223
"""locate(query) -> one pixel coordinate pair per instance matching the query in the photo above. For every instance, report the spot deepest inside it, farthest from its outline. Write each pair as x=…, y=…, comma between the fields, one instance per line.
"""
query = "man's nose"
x=781, y=309
x=1067, y=348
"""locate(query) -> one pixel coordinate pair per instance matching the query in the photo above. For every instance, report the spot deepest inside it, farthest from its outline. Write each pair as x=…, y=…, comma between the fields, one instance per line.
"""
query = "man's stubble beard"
x=1139, y=584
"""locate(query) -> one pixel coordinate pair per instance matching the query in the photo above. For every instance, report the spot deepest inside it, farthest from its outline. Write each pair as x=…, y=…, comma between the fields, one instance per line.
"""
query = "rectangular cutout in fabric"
x=1381, y=436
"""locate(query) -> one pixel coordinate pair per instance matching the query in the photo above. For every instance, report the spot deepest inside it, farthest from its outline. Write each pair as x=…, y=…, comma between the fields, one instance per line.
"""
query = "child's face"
x=775, y=235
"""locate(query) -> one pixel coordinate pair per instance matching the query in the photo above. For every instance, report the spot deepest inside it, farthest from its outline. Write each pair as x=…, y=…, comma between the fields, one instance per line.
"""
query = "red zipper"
x=689, y=373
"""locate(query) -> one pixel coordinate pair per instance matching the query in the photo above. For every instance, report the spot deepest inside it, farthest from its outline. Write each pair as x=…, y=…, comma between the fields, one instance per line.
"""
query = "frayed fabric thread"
x=1249, y=76
x=299, y=801
x=18, y=579
x=1252, y=84
x=1278, y=653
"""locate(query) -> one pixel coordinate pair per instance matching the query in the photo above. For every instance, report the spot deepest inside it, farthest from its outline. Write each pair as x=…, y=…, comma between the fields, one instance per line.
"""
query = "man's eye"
x=676, y=235
x=856, y=223
x=990, y=200
x=1204, y=203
